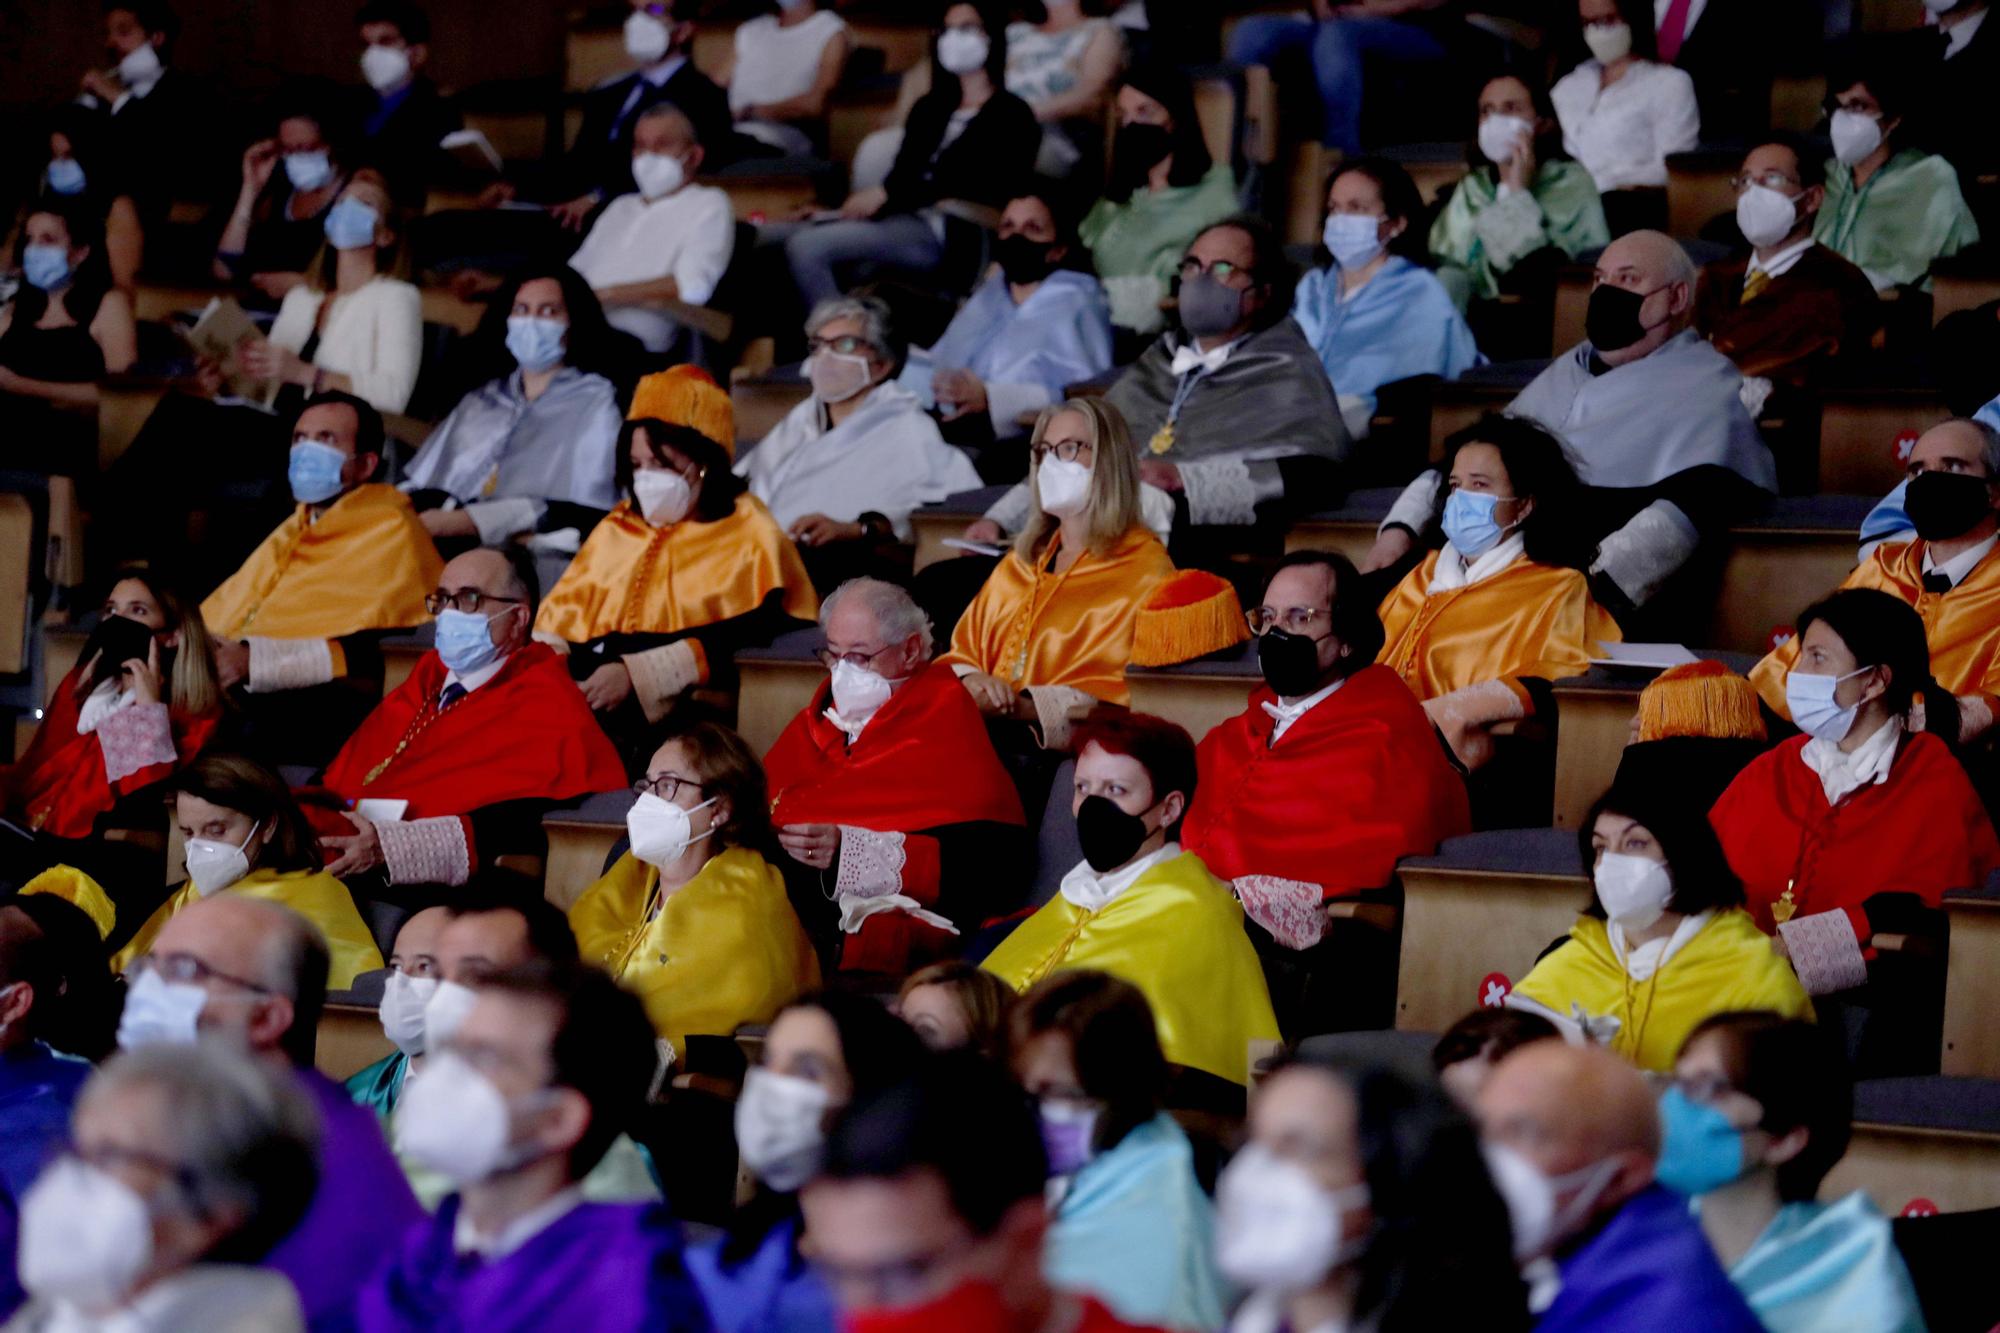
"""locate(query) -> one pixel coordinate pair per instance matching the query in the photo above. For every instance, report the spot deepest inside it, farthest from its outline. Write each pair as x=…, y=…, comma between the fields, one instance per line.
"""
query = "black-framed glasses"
x=468, y=600
x=1292, y=620
x=827, y=657
x=666, y=786
x=187, y=970
x=1069, y=451
x=847, y=344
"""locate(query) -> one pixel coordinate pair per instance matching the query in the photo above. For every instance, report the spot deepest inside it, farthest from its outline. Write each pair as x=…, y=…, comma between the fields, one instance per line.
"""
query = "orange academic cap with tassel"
x=1188, y=615
x=1700, y=699
x=687, y=396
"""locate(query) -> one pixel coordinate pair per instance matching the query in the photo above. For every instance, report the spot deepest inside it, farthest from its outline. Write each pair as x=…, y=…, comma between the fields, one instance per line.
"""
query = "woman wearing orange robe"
x=1480, y=627
x=686, y=569
x=1051, y=631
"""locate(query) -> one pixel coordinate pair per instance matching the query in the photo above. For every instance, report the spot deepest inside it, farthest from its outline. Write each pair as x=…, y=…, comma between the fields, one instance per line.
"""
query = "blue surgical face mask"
x=536, y=343
x=350, y=225
x=66, y=175
x=314, y=472
x=1351, y=238
x=463, y=641
x=308, y=171
x=1469, y=524
x=1809, y=699
x=46, y=266
x=1700, y=1150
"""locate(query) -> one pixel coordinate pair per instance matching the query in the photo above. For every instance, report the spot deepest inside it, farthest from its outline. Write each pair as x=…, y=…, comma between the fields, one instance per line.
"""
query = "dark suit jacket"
x=601, y=157
x=404, y=148
x=1728, y=55
x=1821, y=309
x=152, y=140
x=1955, y=116
x=989, y=162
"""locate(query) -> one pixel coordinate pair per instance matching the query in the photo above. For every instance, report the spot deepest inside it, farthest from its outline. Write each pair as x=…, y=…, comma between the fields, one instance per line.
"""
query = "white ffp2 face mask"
x=858, y=693
x=85, y=1236
x=213, y=866
x=657, y=174
x=404, y=998
x=646, y=38
x=1634, y=890
x=1765, y=216
x=1855, y=135
x=664, y=498
x=454, y=1121
x=445, y=1011
x=1064, y=488
x=781, y=1127
x=962, y=50
x=1278, y=1229
x=660, y=830
x=1608, y=41
x=160, y=1012
x=385, y=67
x=1500, y=137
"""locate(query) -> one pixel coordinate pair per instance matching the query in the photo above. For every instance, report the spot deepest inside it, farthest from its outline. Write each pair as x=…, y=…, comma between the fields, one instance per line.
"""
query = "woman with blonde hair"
x=955, y=1005
x=1051, y=630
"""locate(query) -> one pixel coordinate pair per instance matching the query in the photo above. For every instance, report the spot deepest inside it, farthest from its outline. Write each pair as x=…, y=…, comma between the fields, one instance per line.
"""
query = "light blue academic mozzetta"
x=1829, y=1265
x=1026, y=354
x=1399, y=323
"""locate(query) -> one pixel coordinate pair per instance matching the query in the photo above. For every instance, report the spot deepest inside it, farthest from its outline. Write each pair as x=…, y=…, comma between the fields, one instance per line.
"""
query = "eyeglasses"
x=827, y=657
x=1293, y=620
x=1857, y=106
x=1069, y=451
x=1222, y=270
x=848, y=344
x=666, y=786
x=187, y=970
x=1770, y=180
x=111, y=1156
x=468, y=600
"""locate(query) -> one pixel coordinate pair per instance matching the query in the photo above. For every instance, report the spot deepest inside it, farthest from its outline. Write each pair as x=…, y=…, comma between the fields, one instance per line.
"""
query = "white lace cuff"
x=1510, y=228
x=1646, y=552
x=855, y=911
x=1291, y=909
x=1414, y=506
x=1011, y=510
x=500, y=520
x=1220, y=490
x=871, y=863
x=660, y=675
x=425, y=851
x=134, y=738
x=1053, y=704
x=288, y=664
x=1975, y=715
x=1825, y=952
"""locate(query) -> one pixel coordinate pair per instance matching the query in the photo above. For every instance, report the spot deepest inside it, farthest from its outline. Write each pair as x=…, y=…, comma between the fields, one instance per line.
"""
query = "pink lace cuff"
x=289, y=664
x=1291, y=909
x=1825, y=952
x=871, y=863
x=135, y=738
x=425, y=851
x=659, y=675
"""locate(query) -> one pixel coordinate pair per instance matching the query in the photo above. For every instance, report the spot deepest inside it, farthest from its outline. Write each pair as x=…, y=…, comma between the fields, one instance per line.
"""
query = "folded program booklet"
x=217, y=335
x=473, y=152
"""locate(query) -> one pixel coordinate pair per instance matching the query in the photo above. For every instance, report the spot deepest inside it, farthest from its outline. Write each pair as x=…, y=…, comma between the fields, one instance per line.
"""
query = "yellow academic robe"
x=723, y=950
x=1962, y=626
x=1729, y=965
x=1527, y=620
x=633, y=578
x=366, y=564
x=1032, y=626
x=1176, y=934
x=313, y=894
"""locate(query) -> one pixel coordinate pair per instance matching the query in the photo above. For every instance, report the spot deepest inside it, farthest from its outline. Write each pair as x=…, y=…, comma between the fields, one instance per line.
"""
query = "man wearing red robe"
x=1314, y=792
x=487, y=733
x=893, y=811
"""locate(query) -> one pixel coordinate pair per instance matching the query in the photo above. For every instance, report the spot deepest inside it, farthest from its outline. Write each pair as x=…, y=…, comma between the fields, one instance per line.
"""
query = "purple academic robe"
x=360, y=1211
x=599, y=1268
x=1649, y=1268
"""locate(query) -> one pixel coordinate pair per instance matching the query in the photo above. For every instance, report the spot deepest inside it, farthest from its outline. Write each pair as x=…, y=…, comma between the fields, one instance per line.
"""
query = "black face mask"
x=1611, y=321
x=1136, y=150
x=1023, y=259
x=1941, y=505
x=115, y=641
x=1290, y=663
x=1110, y=837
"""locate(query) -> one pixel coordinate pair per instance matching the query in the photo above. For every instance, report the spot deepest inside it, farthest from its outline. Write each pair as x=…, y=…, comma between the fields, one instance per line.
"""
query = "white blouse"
x=1622, y=134
x=374, y=335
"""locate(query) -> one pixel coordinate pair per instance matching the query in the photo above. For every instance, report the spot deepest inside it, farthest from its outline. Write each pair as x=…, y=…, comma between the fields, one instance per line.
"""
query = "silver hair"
x=661, y=111
x=896, y=613
x=878, y=327
x=242, y=1134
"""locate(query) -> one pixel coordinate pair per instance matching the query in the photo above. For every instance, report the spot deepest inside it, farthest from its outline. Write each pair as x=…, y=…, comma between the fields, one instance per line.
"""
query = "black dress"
x=50, y=438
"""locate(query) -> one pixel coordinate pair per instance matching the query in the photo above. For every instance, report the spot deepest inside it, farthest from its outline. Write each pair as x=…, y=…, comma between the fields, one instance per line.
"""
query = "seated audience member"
x=291, y=181
x=534, y=448
x=1375, y=314
x=1791, y=308
x=69, y=908
x=403, y=115
x=414, y=976
x=1622, y=112
x=967, y=140
x=112, y=729
x=1034, y=327
x=929, y=1213
x=1525, y=206
x=149, y=113
x=1945, y=568
x=1141, y=908
x=1653, y=493
x=1481, y=628
x=843, y=469
x=822, y=1052
x=243, y=835
x=693, y=919
x=251, y=974
x=1063, y=68
x=1163, y=190
x=517, y=1243
x=1361, y=1200
x=668, y=240
x=687, y=567
x=299, y=625
x=1664, y=941
x=1469, y=1048
x=84, y=180
x=1724, y=51
x=1051, y=631
x=1701, y=723
x=1342, y=44
x=182, y=1167
x=1956, y=79
x=1891, y=210
x=1755, y=1117
x=487, y=732
x=783, y=71
x=883, y=856
x=1129, y=1223
x=1862, y=823
x=1329, y=776
x=1571, y=1135
x=38, y=1082
x=66, y=328
x=955, y=1005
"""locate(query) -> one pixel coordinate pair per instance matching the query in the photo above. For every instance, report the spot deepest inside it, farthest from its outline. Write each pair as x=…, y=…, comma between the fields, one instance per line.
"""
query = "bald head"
x=263, y=966
x=1652, y=267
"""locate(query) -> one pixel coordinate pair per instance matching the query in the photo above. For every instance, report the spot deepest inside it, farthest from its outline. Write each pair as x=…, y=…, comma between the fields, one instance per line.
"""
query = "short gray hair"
x=664, y=110
x=243, y=1136
x=1989, y=441
x=896, y=612
x=878, y=325
x=293, y=962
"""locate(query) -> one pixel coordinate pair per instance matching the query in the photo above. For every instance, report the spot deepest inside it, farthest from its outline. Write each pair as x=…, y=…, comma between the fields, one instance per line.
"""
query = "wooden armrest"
x=710, y=323
x=965, y=210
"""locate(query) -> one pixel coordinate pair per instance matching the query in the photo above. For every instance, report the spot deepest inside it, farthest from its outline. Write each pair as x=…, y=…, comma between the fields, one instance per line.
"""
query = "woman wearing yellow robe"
x=1665, y=942
x=244, y=835
x=1051, y=630
x=694, y=920
x=1479, y=627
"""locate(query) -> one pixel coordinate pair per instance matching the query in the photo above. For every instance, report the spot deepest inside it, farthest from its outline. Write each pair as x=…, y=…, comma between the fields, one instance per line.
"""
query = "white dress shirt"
x=467, y=1240
x=1288, y=713
x=1093, y=892
x=1641, y=963
x=1961, y=564
x=1622, y=134
x=1959, y=35
x=1779, y=264
x=472, y=680
x=1842, y=772
x=374, y=335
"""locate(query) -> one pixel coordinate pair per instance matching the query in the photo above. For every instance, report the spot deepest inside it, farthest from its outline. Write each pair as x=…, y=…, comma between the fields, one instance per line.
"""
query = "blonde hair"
x=194, y=689
x=1114, y=480
x=391, y=260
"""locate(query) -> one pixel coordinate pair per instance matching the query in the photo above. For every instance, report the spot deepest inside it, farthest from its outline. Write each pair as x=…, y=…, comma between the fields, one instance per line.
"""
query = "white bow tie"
x=1284, y=711
x=1190, y=358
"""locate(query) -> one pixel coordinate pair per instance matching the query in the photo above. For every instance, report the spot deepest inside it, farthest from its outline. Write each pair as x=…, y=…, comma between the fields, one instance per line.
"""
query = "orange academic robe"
x=1032, y=626
x=60, y=785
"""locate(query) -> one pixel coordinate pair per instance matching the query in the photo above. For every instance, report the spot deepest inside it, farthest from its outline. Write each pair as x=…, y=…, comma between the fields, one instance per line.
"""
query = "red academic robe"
x=59, y=785
x=1922, y=832
x=527, y=734
x=1356, y=784
x=922, y=762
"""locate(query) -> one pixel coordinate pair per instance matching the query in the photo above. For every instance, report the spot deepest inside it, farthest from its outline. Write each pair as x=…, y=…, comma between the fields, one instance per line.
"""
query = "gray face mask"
x=1208, y=308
